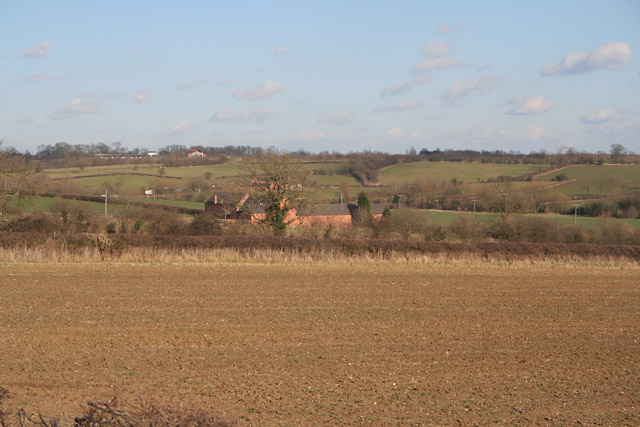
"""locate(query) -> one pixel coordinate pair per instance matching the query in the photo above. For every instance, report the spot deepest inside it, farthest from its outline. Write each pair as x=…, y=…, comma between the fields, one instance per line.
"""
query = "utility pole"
x=105, y=201
x=474, y=207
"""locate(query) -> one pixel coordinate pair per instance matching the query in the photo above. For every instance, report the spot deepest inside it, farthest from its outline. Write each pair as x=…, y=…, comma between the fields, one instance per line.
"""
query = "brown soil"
x=325, y=344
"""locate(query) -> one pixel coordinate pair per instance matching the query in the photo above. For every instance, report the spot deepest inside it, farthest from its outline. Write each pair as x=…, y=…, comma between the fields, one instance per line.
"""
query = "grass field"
x=447, y=217
x=327, y=343
x=625, y=175
x=468, y=172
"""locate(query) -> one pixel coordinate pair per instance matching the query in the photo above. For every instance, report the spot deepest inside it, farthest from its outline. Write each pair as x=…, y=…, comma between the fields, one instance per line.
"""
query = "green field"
x=447, y=217
x=47, y=204
x=467, y=172
x=625, y=177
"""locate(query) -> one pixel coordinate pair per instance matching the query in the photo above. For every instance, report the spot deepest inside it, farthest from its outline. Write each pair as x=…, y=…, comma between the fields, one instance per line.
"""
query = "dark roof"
x=335, y=209
x=226, y=198
x=378, y=208
x=325, y=209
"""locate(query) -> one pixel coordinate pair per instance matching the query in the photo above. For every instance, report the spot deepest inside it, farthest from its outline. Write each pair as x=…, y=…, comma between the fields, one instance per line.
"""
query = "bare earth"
x=324, y=344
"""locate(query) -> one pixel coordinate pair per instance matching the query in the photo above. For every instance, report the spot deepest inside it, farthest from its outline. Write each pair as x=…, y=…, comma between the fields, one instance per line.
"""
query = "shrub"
x=407, y=222
x=467, y=228
x=205, y=225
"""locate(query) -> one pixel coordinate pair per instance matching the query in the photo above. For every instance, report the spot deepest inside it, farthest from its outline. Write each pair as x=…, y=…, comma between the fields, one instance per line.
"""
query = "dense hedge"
x=118, y=243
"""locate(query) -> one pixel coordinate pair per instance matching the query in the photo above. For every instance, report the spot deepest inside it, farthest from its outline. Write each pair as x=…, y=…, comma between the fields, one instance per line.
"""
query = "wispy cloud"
x=397, y=133
x=436, y=51
x=181, y=128
x=189, y=85
x=462, y=90
x=339, y=118
x=309, y=135
x=532, y=133
x=405, y=86
x=280, y=50
x=525, y=105
x=259, y=115
x=436, y=64
x=75, y=107
x=267, y=89
x=41, y=77
x=25, y=119
x=39, y=50
x=610, y=56
x=142, y=96
x=445, y=29
x=607, y=115
x=397, y=108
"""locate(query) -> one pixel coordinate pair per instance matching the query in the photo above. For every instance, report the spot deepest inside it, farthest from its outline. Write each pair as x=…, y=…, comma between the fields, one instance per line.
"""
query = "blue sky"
x=331, y=75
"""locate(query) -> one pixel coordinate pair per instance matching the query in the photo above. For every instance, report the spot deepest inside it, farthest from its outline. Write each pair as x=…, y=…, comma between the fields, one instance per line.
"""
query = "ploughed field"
x=321, y=343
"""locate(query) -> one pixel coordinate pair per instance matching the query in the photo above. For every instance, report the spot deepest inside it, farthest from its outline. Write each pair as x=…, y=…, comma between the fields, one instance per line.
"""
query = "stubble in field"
x=322, y=343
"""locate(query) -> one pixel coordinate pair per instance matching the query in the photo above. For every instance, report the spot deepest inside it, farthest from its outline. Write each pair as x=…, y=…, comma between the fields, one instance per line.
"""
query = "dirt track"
x=327, y=344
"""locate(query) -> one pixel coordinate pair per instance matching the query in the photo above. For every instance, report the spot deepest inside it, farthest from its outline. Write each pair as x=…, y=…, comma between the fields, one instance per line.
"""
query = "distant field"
x=447, y=217
x=590, y=175
x=46, y=204
x=468, y=172
x=325, y=343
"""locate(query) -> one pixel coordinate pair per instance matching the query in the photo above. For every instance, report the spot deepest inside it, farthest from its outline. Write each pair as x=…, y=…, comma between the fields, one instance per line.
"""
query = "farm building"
x=196, y=153
x=227, y=206
x=234, y=206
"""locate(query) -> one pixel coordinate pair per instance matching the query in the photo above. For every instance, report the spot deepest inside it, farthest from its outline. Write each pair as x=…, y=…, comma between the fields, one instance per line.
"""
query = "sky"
x=322, y=76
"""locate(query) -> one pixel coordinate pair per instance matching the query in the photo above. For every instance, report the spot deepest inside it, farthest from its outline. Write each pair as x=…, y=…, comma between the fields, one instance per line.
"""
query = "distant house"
x=323, y=215
x=152, y=154
x=196, y=153
x=227, y=206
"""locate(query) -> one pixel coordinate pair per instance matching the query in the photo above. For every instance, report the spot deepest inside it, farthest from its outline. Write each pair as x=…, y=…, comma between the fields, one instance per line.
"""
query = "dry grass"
x=143, y=255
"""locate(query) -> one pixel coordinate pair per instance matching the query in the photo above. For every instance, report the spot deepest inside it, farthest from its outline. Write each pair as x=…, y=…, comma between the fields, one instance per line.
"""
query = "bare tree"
x=607, y=185
x=277, y=182
x=18, y=174
x=500, y=199
x=407, y=222
x=617, y=152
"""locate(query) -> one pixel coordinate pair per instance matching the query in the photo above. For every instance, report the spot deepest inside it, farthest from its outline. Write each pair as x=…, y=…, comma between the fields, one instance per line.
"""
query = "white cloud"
x=405, y=86
x=280, y=50
x=445, y=29
x=610, y=56
x=397, y=108
x=460, y=90
x=605, y=116
x=39, y=50
x=75, y=107
x=522, y=105
x=436, y=64
x=259, y=115
x=533, y=133
x=142, y=96
x=339, y=118
x=181, y=128
x=266, y=90
x=435, y=49
x=397, y=133
x=189, y=85
x=309, y=135
x=25, y=119
x=227, y=114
